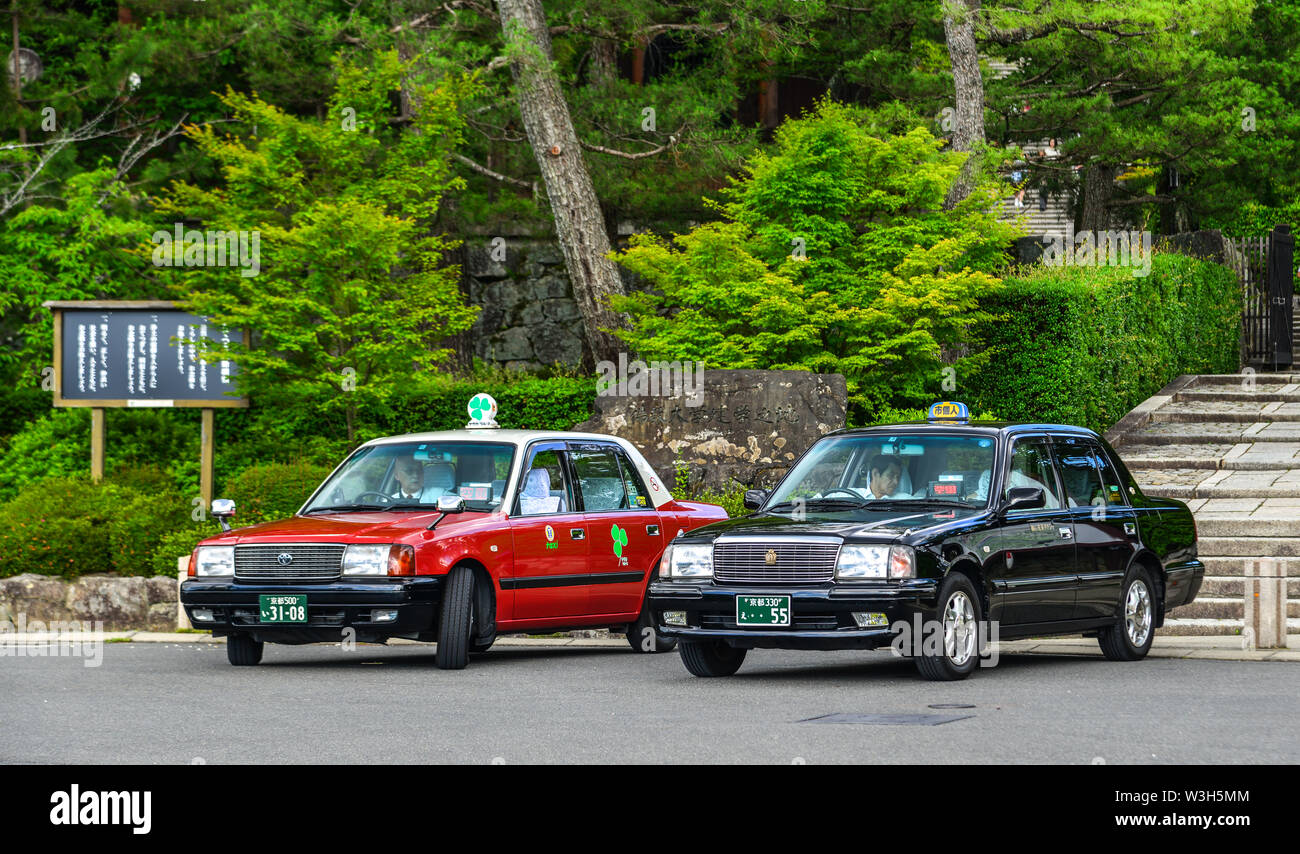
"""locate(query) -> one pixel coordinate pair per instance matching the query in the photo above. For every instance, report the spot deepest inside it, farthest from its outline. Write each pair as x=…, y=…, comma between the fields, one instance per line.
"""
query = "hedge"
x=1084, y=345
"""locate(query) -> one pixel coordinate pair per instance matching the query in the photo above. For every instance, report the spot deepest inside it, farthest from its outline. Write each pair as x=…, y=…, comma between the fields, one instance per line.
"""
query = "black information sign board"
x=139, y=354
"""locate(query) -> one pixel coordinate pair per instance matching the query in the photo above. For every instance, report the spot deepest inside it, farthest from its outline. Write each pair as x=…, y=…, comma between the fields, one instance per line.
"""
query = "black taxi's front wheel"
x=243, y=651
x=958, y=649
x=711, y=658
x=457, y=619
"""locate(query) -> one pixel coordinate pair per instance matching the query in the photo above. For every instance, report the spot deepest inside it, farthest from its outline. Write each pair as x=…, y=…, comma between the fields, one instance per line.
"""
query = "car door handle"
x=577, y=534
x=652, y=530
x=1066, y=533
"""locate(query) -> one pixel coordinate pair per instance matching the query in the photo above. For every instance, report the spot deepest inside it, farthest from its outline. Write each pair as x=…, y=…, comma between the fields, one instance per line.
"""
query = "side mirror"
x=451, y=504
x=223, y=509
x=1024, y=498
x=755, y=498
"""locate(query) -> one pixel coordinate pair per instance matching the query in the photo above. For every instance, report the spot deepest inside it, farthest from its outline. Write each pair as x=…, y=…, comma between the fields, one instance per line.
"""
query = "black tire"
x=711, y=658
x=243, y=651
x=642, y=637
x=959, y=606
x=485, y=610
x=1129, y=639
x=457, y=622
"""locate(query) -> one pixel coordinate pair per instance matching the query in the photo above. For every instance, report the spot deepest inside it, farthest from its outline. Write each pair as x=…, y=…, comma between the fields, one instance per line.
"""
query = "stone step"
x=1211, y=433
x=1176, y=456
x=1227, y=412
x=1209, y=626
x=1235, y=588
x=1238, y=380
x=1186, y=484
x=1246, y=525
x=1239, y=547
x=1261, y=393
x=1225, y=608
x=1234, y=566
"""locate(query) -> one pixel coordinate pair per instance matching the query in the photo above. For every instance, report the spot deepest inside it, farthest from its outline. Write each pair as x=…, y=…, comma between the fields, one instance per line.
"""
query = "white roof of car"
x=495, y=434
x=659, y=493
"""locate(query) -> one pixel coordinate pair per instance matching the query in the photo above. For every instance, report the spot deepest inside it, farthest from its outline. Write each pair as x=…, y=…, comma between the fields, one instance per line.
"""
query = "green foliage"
x=272, y=491
x=834, y=254
x=1084, y=345
x=60, y=526
x=350, y=293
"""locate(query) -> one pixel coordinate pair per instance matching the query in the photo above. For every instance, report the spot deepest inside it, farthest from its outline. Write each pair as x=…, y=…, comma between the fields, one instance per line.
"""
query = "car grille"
x=311, y=561
x=797, y=561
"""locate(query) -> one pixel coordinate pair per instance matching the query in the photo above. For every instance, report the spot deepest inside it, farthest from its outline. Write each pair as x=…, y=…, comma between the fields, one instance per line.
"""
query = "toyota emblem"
x=284, y=558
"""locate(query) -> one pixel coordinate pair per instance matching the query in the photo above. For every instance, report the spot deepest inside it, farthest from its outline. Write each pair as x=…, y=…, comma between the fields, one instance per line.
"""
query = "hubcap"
x=959, y=628
x=1137, y=613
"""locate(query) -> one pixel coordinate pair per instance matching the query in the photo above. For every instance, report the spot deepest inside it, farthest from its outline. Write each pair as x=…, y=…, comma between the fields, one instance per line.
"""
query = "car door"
x=550, y=539
x=1038, y=580
x=1104, y=524
x=625, y=529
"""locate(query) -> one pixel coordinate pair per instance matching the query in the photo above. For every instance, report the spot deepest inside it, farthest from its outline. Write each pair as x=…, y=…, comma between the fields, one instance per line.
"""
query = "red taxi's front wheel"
x=457, y=620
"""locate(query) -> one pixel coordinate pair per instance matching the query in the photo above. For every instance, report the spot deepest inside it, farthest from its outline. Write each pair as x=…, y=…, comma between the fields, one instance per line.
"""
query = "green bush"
x=1084, y=345
x=273, y=490
x=59, y=526
x=176, y=544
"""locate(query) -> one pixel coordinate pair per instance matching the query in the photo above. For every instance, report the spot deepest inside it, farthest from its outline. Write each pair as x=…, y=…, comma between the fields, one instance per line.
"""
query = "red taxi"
x=451, y=537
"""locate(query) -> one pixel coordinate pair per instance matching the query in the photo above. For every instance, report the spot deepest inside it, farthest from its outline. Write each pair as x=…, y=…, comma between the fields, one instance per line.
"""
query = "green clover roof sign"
x=482, y=411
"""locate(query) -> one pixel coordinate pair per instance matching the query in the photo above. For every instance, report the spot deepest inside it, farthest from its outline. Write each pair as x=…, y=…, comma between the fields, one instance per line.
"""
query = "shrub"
x=273, y=490
x=176, y=544
x=59, y=526
x=1084, y=345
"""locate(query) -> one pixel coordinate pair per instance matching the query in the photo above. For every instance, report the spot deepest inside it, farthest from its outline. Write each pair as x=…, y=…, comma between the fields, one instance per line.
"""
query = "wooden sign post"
x=141, y=353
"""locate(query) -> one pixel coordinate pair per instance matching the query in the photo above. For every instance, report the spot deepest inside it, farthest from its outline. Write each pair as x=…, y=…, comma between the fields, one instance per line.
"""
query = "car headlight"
x=687, y=561
x=210, y=561
x=366, y=559
x=865, y=563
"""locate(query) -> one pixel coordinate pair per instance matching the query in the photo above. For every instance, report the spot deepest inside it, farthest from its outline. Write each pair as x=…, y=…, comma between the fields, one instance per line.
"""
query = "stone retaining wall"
x=122, y=603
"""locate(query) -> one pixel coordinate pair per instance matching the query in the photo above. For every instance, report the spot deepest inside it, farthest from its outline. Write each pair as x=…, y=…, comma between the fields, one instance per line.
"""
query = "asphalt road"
x=177, y=704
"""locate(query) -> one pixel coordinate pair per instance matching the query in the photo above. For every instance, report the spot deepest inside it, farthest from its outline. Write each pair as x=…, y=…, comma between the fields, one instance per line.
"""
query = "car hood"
x=879, y=526
x=346, y=527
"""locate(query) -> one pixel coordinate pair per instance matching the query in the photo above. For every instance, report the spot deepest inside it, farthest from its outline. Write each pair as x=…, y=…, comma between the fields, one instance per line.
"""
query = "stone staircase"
x=1229, y=446
x=1053, y=220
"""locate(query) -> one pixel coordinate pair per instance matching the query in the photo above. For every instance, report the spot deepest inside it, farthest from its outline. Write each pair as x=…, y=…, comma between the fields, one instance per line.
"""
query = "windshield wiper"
x=923, y=502
x=851, y=503
x=343, y=508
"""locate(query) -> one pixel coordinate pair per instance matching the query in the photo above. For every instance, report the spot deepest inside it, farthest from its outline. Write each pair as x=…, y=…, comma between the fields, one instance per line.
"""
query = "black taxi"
x=933, y=537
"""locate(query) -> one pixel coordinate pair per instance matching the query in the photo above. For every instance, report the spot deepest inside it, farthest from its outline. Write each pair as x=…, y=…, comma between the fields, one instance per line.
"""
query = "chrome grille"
x=803, y=560
x=311, y=561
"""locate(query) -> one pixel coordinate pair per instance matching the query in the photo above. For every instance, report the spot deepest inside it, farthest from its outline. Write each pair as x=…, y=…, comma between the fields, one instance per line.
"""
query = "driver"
x=410, y=479
x=886, y=474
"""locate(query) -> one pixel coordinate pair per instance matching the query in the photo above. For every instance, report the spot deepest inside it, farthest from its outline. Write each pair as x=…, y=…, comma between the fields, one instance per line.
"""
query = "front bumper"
x=821, y=616
x=331, y=608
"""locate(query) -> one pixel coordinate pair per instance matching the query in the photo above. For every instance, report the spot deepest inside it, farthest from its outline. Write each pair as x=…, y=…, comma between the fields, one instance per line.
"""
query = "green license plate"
x=284, y=608
x=762, y=610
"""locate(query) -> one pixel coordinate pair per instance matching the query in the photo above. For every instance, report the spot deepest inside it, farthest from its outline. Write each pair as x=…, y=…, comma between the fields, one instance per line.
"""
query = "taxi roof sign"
x=482, y=412
x=948, y=410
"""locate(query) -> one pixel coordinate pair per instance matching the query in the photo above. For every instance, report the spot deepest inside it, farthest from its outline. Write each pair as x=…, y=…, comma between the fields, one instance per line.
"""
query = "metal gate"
x=1266, y=269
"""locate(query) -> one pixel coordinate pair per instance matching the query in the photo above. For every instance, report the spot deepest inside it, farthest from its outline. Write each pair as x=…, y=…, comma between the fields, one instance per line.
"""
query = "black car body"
x=1032, y=570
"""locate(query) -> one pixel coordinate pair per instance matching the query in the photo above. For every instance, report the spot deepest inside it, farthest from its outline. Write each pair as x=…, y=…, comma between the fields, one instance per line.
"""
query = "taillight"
x=401, y=560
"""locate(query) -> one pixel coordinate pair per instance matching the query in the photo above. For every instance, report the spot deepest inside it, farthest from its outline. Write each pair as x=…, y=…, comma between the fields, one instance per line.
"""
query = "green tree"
x=834, y=253
x=352, y=292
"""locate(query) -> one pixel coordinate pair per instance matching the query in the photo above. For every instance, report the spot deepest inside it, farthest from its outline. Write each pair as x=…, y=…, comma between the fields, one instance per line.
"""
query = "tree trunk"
x=579, y=223
x=604, y=62
x=1098, y=185
x=968, y=114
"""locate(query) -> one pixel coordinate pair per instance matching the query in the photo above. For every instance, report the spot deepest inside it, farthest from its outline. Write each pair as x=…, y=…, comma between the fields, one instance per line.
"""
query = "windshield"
x=414, y=475
x=883, y=471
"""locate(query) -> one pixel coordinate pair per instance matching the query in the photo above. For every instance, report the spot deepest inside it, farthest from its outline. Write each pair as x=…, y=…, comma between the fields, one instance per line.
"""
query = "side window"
x=600, y=482
x=1079, y=474
x=1113, y=490
x=546, y=489
x=637, y=497
x=1031, y=465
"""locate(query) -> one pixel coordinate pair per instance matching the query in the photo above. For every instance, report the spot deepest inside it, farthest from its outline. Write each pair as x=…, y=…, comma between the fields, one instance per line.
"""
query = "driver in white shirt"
x=886, y=477
x=410, y=479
